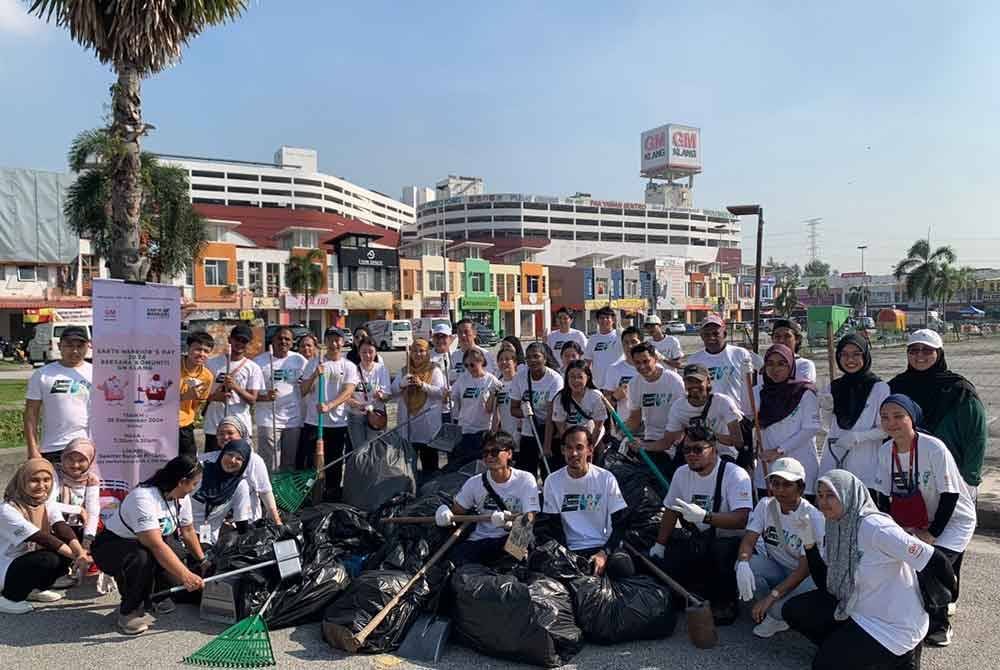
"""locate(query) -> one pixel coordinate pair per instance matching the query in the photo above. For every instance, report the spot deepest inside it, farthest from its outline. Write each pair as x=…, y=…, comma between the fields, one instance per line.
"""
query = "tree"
x=946, y=284
x=967, y=282
x=171, y=231
x=785, y=295
x=305, y=277
x=858, y=297
x=137, y=40
x=818, y=287
x=921, y=268
x=816, y=268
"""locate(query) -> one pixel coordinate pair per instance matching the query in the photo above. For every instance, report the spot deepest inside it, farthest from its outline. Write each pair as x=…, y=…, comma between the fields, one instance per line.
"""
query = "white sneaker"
x=12, y=607
x=769, y=626
x=952, y=608
x=45, y=596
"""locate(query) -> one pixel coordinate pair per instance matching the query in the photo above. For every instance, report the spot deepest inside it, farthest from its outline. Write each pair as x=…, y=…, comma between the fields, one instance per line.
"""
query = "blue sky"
x=878, y=117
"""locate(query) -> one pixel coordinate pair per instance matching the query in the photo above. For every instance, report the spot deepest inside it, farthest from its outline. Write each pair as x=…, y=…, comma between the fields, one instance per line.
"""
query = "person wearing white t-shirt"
x=619, y=374
x=142, y=541
x=419, y=389
x=504, y=420
x=224, y=491
x=926, y=493
x=442, y=355
x=789, y=333
x=571, y=351
x=256, y=475
x=715, y=410
x=584, y=509
x=340, y=377
x=238, y=380
x=579, y=403
x=36, y=545
x=532, y=392
x=374, y=387
x=668, y=347
x=650, y=396
x=712, y=499
x=475, y=395
x=727, y=364
x=778, y=570
x=502, y=492
x=466, y=334
x=867, y=612
x=603, y=347
x=565, y=333
x=279, y=404
x=59, y=393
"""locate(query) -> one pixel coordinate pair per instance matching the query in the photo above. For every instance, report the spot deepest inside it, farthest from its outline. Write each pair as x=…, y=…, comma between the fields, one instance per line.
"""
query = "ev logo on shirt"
x=290, y=375
x=655, y=399
x=580, y=502
x=601, y=346
x=471, y=393
x=539, y=397
x=69, y=386
x=167, y=525
x=720, y=372
x=702, y=501
x=513, y=504
x=503, y=397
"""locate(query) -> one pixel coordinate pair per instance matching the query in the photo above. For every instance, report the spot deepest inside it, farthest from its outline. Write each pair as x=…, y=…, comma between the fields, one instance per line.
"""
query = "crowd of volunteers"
x=841, y=513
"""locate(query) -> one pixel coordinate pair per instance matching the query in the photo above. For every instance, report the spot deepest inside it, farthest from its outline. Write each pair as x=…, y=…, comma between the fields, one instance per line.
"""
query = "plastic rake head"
x=245, y=644
x=291, y=488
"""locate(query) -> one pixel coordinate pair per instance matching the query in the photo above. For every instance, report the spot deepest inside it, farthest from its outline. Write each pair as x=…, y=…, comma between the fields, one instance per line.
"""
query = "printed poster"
x=135, y=400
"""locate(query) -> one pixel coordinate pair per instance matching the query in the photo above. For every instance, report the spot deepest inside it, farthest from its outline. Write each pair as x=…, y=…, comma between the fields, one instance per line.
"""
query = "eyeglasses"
x=696, y=450
x=492, y=452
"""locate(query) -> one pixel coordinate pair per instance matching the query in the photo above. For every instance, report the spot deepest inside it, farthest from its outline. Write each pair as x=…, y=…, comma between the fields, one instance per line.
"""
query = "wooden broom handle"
x=756, y=425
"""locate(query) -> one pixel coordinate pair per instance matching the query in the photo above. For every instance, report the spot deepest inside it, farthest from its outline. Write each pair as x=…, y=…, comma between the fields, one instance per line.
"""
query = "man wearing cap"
x=667, y=347
x=772, y=564
x=60, y=393
x=238, y=380
x=566, y=333
x=712, y=499
x=702, y=407
x=442, y=356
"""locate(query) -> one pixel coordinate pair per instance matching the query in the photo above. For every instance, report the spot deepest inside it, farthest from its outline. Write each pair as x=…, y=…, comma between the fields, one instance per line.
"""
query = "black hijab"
x=850, y=392
x=937, y=390
x=217, y=485
x=778, y=400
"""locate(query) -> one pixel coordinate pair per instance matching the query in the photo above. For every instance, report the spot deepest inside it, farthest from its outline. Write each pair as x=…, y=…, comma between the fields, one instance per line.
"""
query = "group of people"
x=845, y=547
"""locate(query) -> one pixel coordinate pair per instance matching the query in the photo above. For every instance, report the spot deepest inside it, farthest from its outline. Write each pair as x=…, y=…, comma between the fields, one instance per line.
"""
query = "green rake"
x=642, y=452
x=245, y=644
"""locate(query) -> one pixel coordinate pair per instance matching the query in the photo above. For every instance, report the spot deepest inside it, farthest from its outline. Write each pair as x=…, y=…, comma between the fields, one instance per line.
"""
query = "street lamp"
x=750, y=210
x=864, y=297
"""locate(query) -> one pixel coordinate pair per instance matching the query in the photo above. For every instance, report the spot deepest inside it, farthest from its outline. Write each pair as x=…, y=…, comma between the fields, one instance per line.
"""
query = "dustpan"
x=426, y=638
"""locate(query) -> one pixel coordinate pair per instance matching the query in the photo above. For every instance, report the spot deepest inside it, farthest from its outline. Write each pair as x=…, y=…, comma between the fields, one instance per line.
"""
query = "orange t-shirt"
x=198, y=379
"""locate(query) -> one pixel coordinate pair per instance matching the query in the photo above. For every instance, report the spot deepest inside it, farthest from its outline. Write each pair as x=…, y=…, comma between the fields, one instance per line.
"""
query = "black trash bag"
x=365, y=597
x=406, y=546
x=255, y=546
x=345, y=526
x=643, y=494
x=500, y=615
x=376, y=474
x=557, y=562
x=304, y=601
x=446, y=485
x=620, y=610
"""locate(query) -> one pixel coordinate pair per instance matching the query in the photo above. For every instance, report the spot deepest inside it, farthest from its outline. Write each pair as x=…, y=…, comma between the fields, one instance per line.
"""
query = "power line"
x=813, y=225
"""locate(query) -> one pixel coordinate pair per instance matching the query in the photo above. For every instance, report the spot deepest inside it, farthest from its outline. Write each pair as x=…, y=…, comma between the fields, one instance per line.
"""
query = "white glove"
x=745, y=580
x=871, y=435
x=527, y=410
x=499, y=519
x=691, y=512
x=443, y=516
x=746, y=367
x=657, y=550
x=803, y=527
x=848, y=439
x=825, y=401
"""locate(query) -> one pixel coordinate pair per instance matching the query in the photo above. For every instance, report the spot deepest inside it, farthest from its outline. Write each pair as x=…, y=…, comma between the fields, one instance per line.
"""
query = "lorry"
x=819, y=316
x=44, y=344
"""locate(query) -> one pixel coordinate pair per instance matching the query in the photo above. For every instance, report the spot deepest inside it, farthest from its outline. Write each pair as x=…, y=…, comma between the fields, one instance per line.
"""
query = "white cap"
x=653, y=320
x=925, y=336
x=441, y=329
x=788, y=469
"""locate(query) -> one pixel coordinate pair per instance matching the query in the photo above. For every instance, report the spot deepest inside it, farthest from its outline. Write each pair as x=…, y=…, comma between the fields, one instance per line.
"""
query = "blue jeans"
x=767, y=574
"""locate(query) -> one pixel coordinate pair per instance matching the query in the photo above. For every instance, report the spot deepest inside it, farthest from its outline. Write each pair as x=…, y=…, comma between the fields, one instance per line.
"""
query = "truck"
x=819, y=316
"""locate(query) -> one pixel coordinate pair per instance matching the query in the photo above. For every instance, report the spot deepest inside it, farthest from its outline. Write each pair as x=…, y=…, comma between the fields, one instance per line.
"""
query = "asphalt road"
x=79, y=632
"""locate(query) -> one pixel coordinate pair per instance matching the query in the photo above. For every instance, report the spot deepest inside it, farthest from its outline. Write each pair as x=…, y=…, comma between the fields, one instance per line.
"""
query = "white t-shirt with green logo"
x=602, y=352
x=654, y=398
x=65, y=396
x=544, y=391
x=585, y=505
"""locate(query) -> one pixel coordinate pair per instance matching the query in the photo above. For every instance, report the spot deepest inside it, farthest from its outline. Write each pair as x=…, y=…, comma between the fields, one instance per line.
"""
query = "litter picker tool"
x=319, y=453
x=430, y=520
x=698, y=612
x=229, y=359
x=642, y=452
x=829, y=351
x=757, y=436
x=530, y=415
x=274, y=411
x=342, y=637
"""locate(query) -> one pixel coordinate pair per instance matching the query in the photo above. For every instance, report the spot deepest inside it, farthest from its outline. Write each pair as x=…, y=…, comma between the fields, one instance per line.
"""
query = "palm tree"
x=818, y=287
x=921, y=267
x=785, y=295
x=305, y=277
x=858, y=297
x=946, y=284
x=137, y=40
x=170, y=230
x=967, y=282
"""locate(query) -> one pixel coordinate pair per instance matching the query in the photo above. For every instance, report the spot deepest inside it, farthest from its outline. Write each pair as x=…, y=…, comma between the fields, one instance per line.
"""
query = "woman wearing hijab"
x=76, y=490
x=224, y=489
x=789, y=419
x=262, y=500
x=926, y=494
x=420, y=386
x=867, y=611
x=144, y=540
x=953, y=412
x=855, y=432
x=36, y=545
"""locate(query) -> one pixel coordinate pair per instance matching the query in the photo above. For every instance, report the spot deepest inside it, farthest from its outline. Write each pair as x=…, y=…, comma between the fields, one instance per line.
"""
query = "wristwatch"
x=708, y=518
x=776, y=594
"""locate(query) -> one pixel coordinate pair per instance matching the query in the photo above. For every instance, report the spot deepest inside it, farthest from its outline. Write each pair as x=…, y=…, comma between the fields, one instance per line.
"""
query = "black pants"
x=710, y=574
x=185, y=441
x=842, y=644
x=334, y=441
x=211, y=444
x=135, y=569
x=35, y=570
x=939, y=615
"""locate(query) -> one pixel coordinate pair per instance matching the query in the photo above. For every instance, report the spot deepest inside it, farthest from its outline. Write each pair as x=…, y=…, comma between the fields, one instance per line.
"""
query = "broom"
x=245, y=644
x=642, y=452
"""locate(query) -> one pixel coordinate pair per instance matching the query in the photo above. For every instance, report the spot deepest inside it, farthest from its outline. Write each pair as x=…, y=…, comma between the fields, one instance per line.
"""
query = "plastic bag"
x=619, y=610
x=643, y=494
x=344, y=526
x=556, y=561
x=502, y=616
x=364, y=598
x=406, y=546
x=376, y=474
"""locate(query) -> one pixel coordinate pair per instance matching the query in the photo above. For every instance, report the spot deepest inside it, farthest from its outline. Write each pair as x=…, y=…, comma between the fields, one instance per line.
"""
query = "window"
x=27, y=273
x=510, y=287
x=207, y=173
x=273, y=191
x=517, y=286
x=241, y=274
x=435, y=280
x=308, y=182
x=242, y=189
x=189, y=275
x=273, y=278
x=216, y=272
x=477, y=282
x=532, y=283
x=542, y=278
x=3, y=270
x=365, y=279
x=207, y=187
x=276, y=180
x=331, y=278
x=244, y=177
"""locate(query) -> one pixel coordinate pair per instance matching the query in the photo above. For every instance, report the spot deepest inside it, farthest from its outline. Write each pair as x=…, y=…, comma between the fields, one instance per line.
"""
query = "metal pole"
x=756, y=295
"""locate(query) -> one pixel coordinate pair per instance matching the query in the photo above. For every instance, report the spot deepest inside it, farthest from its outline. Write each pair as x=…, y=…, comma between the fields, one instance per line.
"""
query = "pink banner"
x=135, y=402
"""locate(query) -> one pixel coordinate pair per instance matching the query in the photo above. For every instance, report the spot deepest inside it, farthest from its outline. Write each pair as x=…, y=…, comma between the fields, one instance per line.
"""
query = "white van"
x=424, y=326
x=390, y=334
x=44, y=345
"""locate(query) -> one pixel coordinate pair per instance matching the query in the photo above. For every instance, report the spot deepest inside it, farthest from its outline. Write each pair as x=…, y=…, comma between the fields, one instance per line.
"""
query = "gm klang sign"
x=671, y=148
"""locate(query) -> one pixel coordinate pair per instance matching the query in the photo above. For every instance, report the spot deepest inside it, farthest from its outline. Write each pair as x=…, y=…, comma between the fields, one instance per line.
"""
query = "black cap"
x=75, y=332
x=696, y=371
x=242, y=331
x=333, y=330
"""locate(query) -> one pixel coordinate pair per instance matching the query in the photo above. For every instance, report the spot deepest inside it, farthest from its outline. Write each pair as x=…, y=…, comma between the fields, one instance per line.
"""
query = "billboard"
x=670, y=148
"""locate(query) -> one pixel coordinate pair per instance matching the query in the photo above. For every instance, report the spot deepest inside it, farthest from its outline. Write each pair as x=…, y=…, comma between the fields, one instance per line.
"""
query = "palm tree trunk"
x=127, y=261
x=308, y=325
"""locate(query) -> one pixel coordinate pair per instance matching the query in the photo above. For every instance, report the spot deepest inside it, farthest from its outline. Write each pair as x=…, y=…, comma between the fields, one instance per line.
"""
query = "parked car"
x=691, y=328
x=486, y=336
x=675, y=328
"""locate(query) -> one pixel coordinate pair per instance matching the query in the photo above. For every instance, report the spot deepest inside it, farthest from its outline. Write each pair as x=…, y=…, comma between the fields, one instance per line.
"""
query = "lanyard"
x=913, y=469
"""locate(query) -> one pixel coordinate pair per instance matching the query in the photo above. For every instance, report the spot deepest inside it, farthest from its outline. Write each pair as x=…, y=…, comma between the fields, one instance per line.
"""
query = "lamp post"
x=864, y=280
x=749, y=210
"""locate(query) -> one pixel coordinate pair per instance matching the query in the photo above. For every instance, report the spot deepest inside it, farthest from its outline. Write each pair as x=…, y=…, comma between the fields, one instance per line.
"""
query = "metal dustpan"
x=426, y=638
x=447, y=438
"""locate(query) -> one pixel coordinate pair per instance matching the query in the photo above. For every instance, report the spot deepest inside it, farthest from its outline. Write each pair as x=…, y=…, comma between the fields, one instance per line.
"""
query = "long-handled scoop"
x=286, y=557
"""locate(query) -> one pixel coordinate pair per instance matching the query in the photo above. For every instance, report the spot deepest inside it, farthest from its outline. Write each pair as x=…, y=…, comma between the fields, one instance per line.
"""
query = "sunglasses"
x=696, y=450
x=492, y=452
